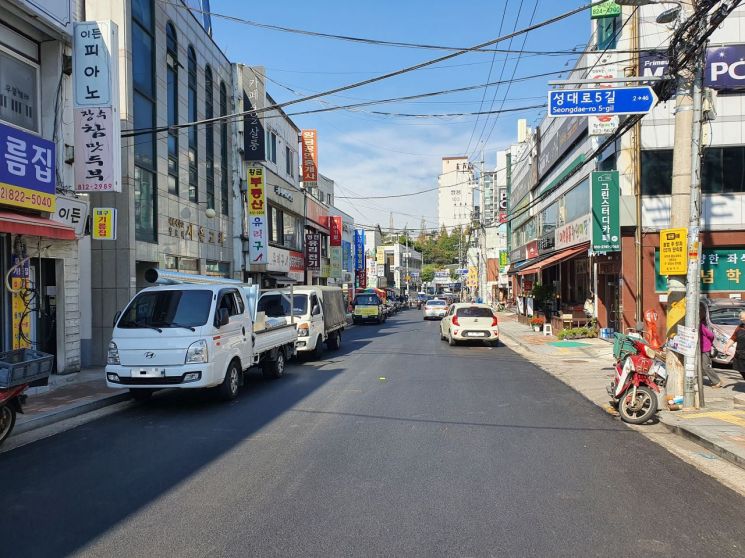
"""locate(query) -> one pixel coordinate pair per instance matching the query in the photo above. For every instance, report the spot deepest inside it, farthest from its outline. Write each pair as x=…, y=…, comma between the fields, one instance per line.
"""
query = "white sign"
x=380, y=270
x=684, y=342
x=57, y=13
x=257, y=235
x=72, y=212
x=92, y=63
x=603, y=67
x=95, y=157
x=576, y=232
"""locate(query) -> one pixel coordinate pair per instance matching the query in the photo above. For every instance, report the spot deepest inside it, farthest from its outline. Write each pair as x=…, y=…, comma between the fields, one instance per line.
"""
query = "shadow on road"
x=65, y=491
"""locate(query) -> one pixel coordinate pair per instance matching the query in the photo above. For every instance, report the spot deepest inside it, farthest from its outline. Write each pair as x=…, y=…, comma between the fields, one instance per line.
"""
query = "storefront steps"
x=719, y=428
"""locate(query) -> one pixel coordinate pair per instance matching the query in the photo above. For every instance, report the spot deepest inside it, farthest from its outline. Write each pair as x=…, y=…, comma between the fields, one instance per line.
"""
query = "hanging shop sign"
x=335, y=230
x=20, y=280
x=504, y=259
x=92, y=63
x=724, y=68
x=19, y=83
x=722, y=270
x=503, y=205
x=674, y=251
x=309, y=140
x=547, y=242
x=254, y=135
x=532, y=249
x=346, y=256
x=286, y=261
x=606, y=9
x=606, y=221
x=26, y=170
x=335, y=256
x=72, y=212
x=325, y=268
x=313, y=251
x=576, y=232
x=257, y=231
x=380, y=255
x=603, y=66
x=359, y=249
x=103, y=226
x=94, y=149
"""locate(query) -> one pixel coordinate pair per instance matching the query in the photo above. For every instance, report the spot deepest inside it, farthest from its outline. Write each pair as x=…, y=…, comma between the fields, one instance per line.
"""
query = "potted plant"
x=537, y=323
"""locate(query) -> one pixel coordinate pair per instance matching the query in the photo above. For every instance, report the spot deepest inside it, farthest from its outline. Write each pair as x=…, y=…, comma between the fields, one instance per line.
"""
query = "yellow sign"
x=104, y=223
x=673, y=251
x=21, y=315
x=256, y=193
x=380, y=255
x=676, y=313
x=26, y=198
x=366, y=311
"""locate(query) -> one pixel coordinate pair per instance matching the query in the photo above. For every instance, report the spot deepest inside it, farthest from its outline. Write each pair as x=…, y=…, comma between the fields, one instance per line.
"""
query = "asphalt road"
x=397, y=445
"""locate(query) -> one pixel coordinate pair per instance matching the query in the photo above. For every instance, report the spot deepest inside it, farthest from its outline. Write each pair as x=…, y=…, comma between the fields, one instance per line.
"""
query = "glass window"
x=474, y=312
x=166, y=309
x=142, y=52
x=142, y=12
x=289, y=225
x=723, y=170
x=657, y=172
x=276, y=226
x=550, y=218
x=366, y=300
x=289, y=161
x=192, y=109
x=271, y=147
x=608, y=29
x=188, y=265
x=209, y=137
x=19, y=103
x=224, y=189
x=218, y=269
x=144, y=205
x=172, y=107
x=577, y=201
x=144, y=118
x=229, y=302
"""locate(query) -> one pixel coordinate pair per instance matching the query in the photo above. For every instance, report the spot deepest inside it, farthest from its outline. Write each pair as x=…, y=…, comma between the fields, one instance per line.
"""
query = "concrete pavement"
x=586, y=366
x=396, y=445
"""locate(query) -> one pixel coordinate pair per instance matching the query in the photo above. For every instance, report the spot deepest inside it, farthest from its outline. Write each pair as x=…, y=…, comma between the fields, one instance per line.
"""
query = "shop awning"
x=18, y=223
x=554, y=259
x=519, y=266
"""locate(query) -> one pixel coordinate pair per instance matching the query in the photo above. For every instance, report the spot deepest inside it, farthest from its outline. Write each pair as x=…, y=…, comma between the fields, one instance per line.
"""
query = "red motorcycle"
x=640, y=373
x=10, y=404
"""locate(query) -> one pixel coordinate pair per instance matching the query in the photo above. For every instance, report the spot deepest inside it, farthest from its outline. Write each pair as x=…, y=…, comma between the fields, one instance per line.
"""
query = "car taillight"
x=455, y=321
x=493, y=321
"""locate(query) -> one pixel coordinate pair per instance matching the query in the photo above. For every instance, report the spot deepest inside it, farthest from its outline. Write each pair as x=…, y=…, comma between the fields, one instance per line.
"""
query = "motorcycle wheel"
x=7, y=421
x=642, y=409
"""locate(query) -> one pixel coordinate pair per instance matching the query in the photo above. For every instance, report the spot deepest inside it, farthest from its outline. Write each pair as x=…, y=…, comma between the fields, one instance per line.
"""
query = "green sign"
x=606, y=9
x=504, y=258
x=606, y=219
x=722, y=270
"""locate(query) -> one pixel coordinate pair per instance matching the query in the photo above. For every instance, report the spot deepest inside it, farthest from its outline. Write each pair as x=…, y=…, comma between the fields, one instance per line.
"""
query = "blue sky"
x=370, y=154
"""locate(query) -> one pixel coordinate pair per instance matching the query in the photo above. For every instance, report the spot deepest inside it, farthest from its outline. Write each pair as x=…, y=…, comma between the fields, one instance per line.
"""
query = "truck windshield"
x=159, y=309
x=367, y=300
x=277, y=305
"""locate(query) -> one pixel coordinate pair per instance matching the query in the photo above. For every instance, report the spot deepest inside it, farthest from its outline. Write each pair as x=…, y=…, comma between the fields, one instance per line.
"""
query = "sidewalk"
x=66, y=397
x=586, y=365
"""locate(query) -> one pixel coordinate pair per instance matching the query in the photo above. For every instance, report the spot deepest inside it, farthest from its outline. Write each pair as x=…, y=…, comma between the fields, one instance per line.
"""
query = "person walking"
x=738, y=339
x=707, y=340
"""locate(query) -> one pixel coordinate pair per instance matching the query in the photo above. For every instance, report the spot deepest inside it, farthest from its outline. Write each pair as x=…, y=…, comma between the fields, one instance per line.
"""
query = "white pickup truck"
x=192, y=336
x=318, y=311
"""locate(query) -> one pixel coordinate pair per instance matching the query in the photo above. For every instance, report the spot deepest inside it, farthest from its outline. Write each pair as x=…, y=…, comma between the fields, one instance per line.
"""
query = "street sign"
x=596, y=102
x=673, y=251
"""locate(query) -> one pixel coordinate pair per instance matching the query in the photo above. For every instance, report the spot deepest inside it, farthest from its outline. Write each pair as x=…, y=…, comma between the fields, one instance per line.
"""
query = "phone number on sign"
x=21, y=197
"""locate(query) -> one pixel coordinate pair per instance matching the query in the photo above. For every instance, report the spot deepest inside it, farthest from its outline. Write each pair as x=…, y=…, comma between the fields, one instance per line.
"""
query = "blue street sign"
x=599, y=102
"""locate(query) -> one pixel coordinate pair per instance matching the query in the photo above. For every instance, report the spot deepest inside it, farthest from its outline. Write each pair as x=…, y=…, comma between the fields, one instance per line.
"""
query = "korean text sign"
x=258, y=237
x=359, y=249
x=309, y=140
x=313, y=251
x=104, y=223
x=27, y=175
x=722, y=270
x=674, y=251
x=335, y=230
x=92, y=64
x=606, y=221
x=94, y=150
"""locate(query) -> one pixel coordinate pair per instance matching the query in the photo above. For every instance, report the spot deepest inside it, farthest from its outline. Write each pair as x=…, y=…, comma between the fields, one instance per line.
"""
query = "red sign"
x=297, y=261
x=527, y=286
x=313, y=251
x=361, y=276
x=309, y=140
x=335, y=231
x=533, y=249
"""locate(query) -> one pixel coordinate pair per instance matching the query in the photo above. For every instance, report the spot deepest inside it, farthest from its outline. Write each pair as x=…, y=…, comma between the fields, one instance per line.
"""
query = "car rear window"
x=474, y=312
x=435, y=303
x=726, y=316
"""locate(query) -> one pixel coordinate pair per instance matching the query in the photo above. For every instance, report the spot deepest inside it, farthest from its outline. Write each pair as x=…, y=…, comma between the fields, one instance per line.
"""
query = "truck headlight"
x=112, y=356
x=303, y=330
x=197, y=353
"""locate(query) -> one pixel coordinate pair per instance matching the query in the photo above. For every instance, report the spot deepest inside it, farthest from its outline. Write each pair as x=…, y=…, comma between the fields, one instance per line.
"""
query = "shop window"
x=218, y=269
x=19, y=94
x=290, y=227
x=657, y=172
x=209, y=144
x=723, y=170
x=188, y=265
x=144, y=189
x=224, y=189
x=193, y=130
x=172, y=107
x=276, y=227
x=577, y=201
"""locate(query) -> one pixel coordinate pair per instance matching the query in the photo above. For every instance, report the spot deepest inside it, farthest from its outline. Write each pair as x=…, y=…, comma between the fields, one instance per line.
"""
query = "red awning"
x=18, y=223
x=554, y=259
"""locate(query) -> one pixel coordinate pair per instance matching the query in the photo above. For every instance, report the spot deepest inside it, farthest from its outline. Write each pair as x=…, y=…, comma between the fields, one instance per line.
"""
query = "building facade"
x=455, y=202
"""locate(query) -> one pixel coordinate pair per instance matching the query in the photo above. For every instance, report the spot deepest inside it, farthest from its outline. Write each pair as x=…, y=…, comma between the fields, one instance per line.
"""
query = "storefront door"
x=611, y=302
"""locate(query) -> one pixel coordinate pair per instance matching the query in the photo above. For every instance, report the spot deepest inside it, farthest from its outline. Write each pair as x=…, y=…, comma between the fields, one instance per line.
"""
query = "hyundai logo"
x=149, y=355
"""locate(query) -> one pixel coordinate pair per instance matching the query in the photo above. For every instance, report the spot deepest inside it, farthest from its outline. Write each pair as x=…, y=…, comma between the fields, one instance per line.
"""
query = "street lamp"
x=668, y=16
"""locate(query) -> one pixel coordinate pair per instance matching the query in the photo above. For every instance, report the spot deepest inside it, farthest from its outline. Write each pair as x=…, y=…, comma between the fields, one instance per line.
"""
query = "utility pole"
x=679, y=212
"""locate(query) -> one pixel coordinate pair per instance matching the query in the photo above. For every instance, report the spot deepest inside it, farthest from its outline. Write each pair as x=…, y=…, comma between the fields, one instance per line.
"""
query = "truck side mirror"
x=316, y=310
x=116, y=318
x=222, y=317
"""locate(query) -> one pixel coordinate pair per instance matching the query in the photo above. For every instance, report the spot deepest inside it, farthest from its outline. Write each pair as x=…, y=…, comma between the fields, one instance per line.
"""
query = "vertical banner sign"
x=258, y=250
x=254, y=135
x=313, y=251
x=674, y=251
x=104, y=223
x=335, y=230
x=503, y=204
x=335, y=257
x=361, y=279
x=309, y=140
x=19, y=281
x=26, y=170
x=346, y=255
x=96, y=107
x=606, y=222
x=359, y=249
x=380, y=255
x=603, y=67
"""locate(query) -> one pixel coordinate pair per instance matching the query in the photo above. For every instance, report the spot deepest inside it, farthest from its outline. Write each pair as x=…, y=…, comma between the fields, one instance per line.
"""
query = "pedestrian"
x=589, y=306
x=707, y=340
x=738, y=339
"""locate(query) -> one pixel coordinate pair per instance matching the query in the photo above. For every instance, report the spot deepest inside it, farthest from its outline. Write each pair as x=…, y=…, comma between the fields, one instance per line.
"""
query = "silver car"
x=435, y=308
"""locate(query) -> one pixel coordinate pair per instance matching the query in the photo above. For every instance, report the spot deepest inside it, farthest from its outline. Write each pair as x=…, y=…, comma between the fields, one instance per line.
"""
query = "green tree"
x=428, y=272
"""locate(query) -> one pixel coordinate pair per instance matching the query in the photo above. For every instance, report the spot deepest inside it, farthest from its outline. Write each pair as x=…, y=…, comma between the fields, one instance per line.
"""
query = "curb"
x=70, y=412
x=722, y=452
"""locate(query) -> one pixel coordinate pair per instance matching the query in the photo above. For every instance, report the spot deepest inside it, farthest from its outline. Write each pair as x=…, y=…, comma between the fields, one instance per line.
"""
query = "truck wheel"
x=228, y=389
x=318, y=351
x=334, y=342
x=273, y=369
x=7, y=421
x=141, y=395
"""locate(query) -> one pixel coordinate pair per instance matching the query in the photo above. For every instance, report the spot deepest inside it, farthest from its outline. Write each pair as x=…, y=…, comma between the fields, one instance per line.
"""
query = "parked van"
x=368, y=307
